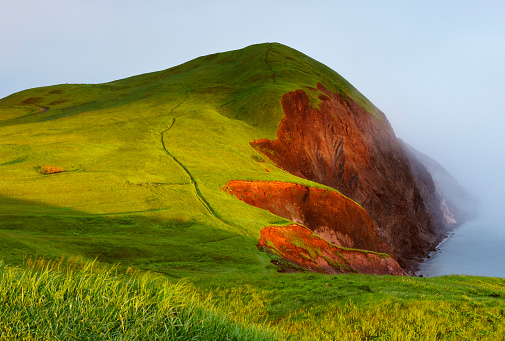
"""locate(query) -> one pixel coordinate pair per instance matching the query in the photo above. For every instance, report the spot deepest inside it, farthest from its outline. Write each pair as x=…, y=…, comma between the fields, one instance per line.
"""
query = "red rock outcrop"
x=302, y=247
x=328, y=213
x=341, y=145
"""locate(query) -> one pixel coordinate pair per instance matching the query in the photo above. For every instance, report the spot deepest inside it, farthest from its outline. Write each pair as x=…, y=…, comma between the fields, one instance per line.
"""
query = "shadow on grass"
x=177, y=248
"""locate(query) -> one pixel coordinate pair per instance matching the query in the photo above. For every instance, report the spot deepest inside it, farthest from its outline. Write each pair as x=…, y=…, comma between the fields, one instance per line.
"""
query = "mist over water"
x=477, y=248
x=465, y=135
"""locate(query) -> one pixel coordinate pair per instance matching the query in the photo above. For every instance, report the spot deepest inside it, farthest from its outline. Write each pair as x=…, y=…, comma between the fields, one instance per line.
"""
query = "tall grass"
x=75, y=300
x=68, y=300
x=364, y=307
x=393, y=319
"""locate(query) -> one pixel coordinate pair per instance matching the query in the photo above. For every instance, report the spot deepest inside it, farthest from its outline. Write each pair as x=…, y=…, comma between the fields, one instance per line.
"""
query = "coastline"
x=446, y=237
x=475, y=248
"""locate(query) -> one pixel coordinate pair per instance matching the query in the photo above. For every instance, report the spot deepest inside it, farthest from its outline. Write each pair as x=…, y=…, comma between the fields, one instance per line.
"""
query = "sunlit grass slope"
x=141, y=162
x=72, y=300
x=80, y=301
x=365, y=307
x=131, y=172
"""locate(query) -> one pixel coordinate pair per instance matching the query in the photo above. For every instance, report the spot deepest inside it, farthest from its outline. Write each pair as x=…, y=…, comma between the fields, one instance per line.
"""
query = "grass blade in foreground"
x=76, y=301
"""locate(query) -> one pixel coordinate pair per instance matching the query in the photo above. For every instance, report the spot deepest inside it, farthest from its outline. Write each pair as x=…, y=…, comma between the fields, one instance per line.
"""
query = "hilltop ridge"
x=144, y=161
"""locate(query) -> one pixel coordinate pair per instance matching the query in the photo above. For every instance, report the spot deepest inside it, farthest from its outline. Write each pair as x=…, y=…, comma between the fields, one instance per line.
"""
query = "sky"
x=435, y=68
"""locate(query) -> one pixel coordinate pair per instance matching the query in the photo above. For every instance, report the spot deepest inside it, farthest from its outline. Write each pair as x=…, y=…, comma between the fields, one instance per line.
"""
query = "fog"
x=435, y=68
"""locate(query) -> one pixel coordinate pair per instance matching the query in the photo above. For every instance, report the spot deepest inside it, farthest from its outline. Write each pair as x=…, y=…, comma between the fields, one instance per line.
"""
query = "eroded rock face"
x=341, y=145
x=305, y=249
x=426, y=185
x=457, y=205
x=326, y=212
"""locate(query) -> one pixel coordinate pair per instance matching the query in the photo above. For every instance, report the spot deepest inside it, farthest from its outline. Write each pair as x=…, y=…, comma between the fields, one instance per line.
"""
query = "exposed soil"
x=302, y=247
x=326, y=212
x=341, y=145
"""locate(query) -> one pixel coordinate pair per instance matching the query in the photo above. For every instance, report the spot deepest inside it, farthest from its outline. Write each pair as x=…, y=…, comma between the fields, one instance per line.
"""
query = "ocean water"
x=475, y=248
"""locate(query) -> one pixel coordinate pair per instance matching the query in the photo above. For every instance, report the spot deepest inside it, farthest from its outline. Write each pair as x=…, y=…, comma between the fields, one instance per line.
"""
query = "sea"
x=475, y=248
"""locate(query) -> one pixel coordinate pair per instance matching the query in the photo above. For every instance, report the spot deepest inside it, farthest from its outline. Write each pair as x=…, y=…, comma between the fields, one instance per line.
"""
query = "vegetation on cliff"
x=133, y=171
x=145, y=160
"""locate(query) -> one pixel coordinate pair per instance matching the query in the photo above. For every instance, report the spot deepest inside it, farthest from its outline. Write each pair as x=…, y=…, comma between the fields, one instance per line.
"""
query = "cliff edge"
x=341, y=145
x=457, y=205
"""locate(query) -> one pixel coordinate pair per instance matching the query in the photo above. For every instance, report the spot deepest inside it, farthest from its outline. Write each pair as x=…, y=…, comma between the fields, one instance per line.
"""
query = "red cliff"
x=301, y=247
x=326, y=212
x=341, y=145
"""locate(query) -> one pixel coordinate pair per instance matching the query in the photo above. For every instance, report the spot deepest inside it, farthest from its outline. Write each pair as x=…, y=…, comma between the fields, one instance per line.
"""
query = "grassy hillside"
x=145, y=159
x=72, y=300
x=132, y=171
x=81, y=301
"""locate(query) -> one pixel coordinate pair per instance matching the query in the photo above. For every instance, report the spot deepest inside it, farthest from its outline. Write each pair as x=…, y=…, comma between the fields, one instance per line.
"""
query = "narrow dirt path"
x=267, y=52
x=273, y=76
x=199, y=195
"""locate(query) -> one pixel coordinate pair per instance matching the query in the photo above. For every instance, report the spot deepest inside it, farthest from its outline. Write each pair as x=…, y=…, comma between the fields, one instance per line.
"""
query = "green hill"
x=145, y=159
x=132, y=172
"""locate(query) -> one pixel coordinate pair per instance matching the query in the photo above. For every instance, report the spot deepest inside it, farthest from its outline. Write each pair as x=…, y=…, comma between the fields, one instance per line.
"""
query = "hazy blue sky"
x=436, y=68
